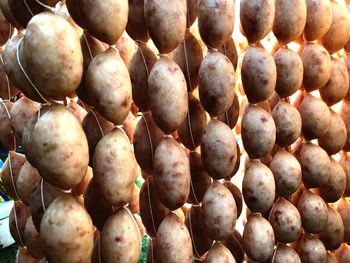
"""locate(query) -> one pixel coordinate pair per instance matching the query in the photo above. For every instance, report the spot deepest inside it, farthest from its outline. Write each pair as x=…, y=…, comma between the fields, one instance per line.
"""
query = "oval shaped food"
x=312, y=250
x=237, y=195
x=345, y=163
x=259, y=74
x=230, y=117
x=215, y=21
x=109, y=86
x=136, y=26
x=290, y=72
x=344, y=211
x=69, y=58
x=7, y=88
x=287, y=173
x=229, y=50
x=288, y=123
x=27, y=178
x=285, y=254
x=146, y=139
x=115, y=167
x=334, y=188
x=6, y=29
x=337, y=86
x=120, y=238
x=347, y=64
x=335, y=137
x=167, y=93
x=7, y=139
x=258, y=238
x=219, y=212
x=166, y=23
x=218, y=253
x=234, y=244
x=51, y=145
x=200, y=179
x=338, y=34
x=317, y=66
x=315, y=117
x=171, y=173
x=290, y=20
x=333, y=234
x=10, y=172
x=96, y=205
x=258, y=121
x=312, y=206
x=114, y=13
x=95, y=127
x=285, y=221
x=152, y=210
x=17, y=221
x=173, y=241
x=139, y=68
x=216, y=83
x=191, y=130
x=319, y=18
x=13, y=70
x=218, y=149
x=257, y=18
x=258, y=187
x=189, y=56
x=21, y=112
x=315, y=165
x=42, y=196
x=90, y=47
x=345, y=115
x=67, y=222
x=32, y=240
x=201, y=243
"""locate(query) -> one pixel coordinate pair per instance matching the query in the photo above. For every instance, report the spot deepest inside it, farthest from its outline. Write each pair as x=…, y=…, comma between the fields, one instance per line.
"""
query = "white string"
x=194, y=243
x=25, y=73
x=88, y=46
x=143, y=57
x=116, y=49
x=149, y=135
x=227, y=120
x=190, y=128
x=7, y=79
x=137, y=226
x=274, y=254
x=187, y=67
x=26, y=4
x=98, y=123
x=9, y=116
x=12, y=179
x=194, y=193
x=150, y=205
x=42, y=194
x=16, y=223
x=152, y=249
x=46, y=6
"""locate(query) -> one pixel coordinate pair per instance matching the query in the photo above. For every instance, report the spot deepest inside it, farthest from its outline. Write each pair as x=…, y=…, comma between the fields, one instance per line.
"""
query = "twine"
x=150, y=206
x=16, y=223
x=42, y=194
x=98, y=122
x=9, y=116
x=149, y=136
x=190, y=222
